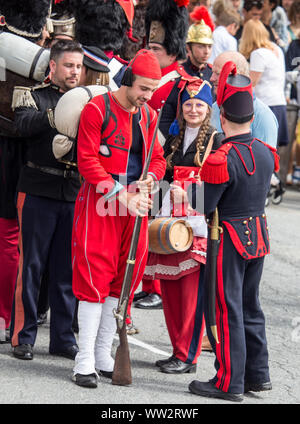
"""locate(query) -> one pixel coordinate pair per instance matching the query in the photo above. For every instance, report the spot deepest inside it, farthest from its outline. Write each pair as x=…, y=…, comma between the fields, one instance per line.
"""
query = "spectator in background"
x=279, y=22
x=267, y=72
x=294, y=18
x=264, y=125
x=253, y=9
x=223, y=36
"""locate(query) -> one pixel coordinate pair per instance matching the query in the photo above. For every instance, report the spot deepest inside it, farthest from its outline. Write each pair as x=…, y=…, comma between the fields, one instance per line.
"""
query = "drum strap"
x=34, y=62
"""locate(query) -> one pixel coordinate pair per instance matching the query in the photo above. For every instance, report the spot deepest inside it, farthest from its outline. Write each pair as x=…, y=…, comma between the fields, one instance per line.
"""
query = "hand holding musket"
x=122, y=369
x=214, y=241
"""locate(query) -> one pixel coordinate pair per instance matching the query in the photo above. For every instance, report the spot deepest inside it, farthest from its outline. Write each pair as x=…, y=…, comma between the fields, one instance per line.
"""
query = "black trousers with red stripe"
x=45, y=238
x=241, y=355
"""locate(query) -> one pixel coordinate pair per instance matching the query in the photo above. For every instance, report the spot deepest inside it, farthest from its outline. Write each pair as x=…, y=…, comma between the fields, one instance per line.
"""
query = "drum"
x=22, y=64
x=66, y=118
x=169, y=235
x=24, y=57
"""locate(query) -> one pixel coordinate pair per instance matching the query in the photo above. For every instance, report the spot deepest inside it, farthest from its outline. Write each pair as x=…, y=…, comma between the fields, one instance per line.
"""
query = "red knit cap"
x=145, y=64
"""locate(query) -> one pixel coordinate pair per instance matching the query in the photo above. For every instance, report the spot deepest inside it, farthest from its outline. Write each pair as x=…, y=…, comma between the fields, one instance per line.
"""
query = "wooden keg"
x=169, y=235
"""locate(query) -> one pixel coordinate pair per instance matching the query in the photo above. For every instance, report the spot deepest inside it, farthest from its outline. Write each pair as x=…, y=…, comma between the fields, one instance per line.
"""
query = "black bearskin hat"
x=100, y=23
x=26, y=18
x=167, y=23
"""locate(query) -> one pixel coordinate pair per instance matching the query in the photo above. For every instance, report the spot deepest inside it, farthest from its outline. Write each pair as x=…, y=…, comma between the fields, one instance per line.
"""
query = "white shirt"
x=223, y=41
x=189, y=136
x=270, y=87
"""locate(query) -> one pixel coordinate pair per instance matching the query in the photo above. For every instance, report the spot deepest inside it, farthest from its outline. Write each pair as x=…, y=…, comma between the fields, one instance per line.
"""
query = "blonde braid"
x=203, y=130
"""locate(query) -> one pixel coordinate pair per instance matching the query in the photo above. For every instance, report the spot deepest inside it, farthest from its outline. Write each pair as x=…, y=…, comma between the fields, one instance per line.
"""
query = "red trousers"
x=100, y=248
x=151, y=286
x=184, y=314
x=9, y=231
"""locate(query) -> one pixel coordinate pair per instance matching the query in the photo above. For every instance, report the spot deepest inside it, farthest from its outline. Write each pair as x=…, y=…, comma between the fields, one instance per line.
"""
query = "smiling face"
x=141, y=90
x=66, y=70
x=194, y=112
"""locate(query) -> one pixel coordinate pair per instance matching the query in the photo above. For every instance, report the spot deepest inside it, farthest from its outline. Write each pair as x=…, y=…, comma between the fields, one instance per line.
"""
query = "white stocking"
x=105, y=336
x=89, y=316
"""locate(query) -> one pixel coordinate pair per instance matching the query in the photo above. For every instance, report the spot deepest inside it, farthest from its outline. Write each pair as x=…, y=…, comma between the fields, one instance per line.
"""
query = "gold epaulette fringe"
x=22, y=98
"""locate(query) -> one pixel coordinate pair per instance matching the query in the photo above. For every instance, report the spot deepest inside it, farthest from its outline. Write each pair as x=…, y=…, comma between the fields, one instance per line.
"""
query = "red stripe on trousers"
x=19, y=307
x=222, y=348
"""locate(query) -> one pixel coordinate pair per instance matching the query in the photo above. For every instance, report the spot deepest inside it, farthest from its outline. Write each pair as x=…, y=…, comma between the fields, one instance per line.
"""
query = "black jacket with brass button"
x=33, y=118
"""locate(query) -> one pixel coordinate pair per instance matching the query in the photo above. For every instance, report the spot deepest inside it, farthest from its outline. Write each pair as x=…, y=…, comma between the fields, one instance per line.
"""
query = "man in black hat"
x=47, y=191
x=237, y=179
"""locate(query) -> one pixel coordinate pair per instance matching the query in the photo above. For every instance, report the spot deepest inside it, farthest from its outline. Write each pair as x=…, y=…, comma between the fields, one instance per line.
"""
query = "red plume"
x=227, y=69
x=181, y=3
x=58, y=1
x=200, y=12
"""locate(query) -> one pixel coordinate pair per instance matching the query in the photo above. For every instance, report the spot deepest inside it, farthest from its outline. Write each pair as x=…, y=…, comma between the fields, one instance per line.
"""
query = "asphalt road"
x=47, y=379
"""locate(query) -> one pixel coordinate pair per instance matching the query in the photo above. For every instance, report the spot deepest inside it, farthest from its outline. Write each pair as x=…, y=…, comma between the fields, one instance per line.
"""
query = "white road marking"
x=153, y=349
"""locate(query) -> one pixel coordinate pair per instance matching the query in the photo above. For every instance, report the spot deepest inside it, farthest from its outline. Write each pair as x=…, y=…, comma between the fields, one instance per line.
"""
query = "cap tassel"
x=174, y=128
x=227, y=69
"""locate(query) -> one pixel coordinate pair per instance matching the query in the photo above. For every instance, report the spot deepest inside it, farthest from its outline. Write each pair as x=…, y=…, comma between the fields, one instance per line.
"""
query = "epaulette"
x=214, y=169
x=22, y=98
x=275, y=154
x=183, y=73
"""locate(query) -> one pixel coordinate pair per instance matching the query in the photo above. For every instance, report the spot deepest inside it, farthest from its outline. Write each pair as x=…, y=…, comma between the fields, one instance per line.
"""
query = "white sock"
x=89, y=316
x=105, y=336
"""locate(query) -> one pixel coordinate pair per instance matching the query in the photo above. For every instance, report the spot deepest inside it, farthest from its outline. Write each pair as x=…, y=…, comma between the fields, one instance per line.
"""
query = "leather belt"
x=66, y=173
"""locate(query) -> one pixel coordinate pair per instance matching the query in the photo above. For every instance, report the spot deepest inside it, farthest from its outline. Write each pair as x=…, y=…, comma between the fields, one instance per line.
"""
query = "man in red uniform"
x=111, y=156
x=166, y=31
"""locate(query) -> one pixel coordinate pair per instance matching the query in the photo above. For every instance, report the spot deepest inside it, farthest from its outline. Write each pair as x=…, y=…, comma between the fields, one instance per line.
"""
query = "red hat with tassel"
x=235, y=94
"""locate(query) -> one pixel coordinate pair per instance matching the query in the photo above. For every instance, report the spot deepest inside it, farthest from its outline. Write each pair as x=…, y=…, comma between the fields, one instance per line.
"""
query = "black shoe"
x=70, y=352
x=257, y=387
x=162, y=362
x=23, y=351
x=209, y=390
x=106, y=374
x=176, y=366
x=152, y=301
x=89, y=380
x=140, y=295
x=41, y=319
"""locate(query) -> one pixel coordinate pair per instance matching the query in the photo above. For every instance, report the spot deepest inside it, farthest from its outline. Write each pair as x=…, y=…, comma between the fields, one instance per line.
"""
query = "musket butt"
x=215, y=333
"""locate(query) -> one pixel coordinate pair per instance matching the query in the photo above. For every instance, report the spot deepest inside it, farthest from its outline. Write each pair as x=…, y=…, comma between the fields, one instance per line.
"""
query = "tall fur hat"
x=26, y=18
x=101, y=23
x=167, y=24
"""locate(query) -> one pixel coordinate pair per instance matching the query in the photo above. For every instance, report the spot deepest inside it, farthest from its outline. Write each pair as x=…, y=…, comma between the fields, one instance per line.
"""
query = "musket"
x=214, y=241
x=122, y=368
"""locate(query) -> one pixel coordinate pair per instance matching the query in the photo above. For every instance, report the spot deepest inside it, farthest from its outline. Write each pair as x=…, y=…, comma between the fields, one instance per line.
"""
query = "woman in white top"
x=267, y=72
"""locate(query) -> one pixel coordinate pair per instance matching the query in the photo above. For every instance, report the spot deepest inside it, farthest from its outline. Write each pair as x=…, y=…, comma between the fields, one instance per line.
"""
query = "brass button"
x=245, y=222
x=250, y=218
x=249, y=243
x=247, y=232
x=263, y=215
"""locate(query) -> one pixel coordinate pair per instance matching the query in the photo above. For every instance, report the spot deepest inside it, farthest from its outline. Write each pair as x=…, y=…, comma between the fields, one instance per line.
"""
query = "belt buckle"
x=67, y=173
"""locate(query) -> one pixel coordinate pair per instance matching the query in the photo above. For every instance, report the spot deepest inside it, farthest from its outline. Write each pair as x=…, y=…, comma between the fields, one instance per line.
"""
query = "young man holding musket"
x=110, y=158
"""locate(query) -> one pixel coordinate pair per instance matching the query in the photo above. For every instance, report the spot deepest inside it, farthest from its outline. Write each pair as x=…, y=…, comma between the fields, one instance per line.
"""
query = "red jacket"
x=102, y=154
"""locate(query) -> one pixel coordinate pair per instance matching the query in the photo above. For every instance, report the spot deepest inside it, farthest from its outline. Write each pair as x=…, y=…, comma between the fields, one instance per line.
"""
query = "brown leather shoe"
x=206, y=346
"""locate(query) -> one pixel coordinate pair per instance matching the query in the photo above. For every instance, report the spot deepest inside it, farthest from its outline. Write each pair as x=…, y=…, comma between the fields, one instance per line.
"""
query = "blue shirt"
x=264, y=126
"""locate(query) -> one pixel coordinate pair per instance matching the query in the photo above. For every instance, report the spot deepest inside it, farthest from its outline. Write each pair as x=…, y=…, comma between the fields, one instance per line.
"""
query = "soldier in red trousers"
x=111, y=158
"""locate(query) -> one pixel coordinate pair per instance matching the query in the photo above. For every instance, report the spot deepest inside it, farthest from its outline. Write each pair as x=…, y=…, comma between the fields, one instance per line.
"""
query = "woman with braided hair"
x=182, y=274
